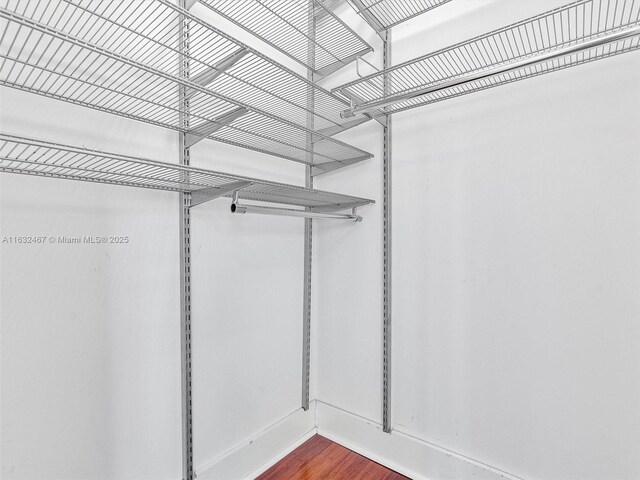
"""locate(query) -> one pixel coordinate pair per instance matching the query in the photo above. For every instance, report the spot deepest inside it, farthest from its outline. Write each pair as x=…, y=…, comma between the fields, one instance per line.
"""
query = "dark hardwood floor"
x=322, y=459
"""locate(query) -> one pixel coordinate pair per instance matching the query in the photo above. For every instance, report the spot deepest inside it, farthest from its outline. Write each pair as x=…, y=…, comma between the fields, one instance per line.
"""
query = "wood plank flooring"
x=322, y=459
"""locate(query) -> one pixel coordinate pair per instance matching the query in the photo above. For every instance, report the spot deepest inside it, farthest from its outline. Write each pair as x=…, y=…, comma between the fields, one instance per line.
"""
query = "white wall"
x=516, y=292
x=247, y=278
x=91, y=334
x=247, y=273
x=347, y=295
x=516, y=289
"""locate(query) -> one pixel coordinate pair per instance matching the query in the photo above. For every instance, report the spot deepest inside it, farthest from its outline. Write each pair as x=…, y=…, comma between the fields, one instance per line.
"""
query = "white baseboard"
x=249, y=459
x=403, y=453
x=410, y=456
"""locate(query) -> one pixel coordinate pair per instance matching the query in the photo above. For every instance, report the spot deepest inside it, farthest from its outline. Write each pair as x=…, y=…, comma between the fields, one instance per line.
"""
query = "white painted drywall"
x=516, y=259
x=91, y=334
x=347, y=295
x=516, y=282
x=247, y=273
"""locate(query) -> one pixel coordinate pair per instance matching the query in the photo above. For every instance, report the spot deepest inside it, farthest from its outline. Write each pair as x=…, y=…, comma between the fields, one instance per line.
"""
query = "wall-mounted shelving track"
x=284, y=25
x=581, y=32
x=122, y=57
x=155, y=62
x=381, y=15
x=36, y=157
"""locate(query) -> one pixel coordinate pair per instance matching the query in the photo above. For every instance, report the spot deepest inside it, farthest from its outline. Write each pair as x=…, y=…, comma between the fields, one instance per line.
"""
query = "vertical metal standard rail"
x=386, y=254
x=308, y=223
x=185, y=260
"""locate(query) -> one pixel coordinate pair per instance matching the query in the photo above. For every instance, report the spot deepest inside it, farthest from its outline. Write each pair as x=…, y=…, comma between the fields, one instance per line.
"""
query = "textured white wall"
x=91, y=334
x=247, y=311
x=516, y=229
x=516, y=292
x=347, y=295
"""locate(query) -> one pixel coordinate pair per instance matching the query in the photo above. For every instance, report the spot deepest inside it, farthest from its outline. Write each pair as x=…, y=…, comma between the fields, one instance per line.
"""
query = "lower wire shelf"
x=30, y=156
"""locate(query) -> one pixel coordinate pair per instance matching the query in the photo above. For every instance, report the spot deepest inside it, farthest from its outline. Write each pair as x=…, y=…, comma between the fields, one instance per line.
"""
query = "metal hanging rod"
x=283, y=24
x=289, y=212
x=124, y=64
x=31, y=156
x=581, y=32
x=612, y=37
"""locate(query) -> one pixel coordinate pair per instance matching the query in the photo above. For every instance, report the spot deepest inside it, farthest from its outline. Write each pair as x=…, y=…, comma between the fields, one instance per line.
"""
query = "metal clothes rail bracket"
x=207, y=194
x=367, y=62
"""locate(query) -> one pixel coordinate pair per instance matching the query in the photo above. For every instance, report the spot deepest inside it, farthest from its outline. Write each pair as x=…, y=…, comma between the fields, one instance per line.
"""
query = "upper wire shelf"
x=36, y=157
x=123, y=58
x=577, y=33
x=255, y=78
x=384, y=14
x=286, y=26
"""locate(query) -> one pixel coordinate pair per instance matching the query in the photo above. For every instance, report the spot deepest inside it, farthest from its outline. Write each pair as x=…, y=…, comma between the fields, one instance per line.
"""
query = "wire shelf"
x=581, y=32
x=36, y=157
x=123, y=58
x=255, y=78
x=284, y=24
x=384, y=14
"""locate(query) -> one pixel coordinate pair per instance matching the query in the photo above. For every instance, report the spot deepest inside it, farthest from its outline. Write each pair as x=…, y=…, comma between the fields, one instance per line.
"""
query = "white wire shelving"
x=285, y=25
x=122, y=58
x=30, y=156
x=581, y=32
x=384, y=14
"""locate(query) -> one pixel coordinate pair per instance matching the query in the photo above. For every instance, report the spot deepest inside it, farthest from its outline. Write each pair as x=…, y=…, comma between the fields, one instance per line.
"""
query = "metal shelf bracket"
x=211, y=73
x=329, y=69
x=203, y=131
x=204, y=195
x=330, y=131
x=326, y=167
